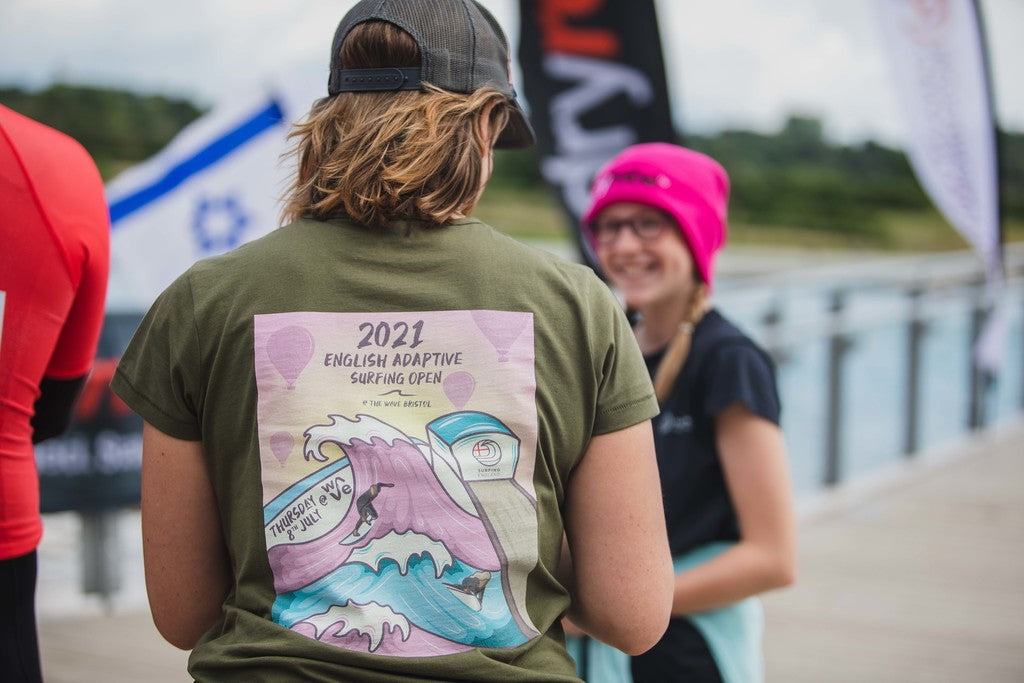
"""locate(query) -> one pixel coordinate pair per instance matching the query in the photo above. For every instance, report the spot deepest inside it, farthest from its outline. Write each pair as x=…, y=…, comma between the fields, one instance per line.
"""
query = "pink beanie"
x=691, y=187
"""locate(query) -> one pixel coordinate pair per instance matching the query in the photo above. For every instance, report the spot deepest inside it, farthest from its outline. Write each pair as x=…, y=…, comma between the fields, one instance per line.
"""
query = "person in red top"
x=54, y=262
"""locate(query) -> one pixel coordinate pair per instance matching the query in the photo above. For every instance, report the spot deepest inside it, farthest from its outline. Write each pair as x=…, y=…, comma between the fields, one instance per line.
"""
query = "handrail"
x=838, y=304
x=940, y=290
x=881, y=270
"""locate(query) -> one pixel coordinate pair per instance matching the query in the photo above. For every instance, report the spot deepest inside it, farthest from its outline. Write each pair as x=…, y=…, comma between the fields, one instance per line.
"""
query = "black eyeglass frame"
x=647, y=228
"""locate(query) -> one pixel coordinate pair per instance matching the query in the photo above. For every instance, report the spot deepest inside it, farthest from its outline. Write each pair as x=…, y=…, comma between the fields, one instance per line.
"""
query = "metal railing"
x=840, y=305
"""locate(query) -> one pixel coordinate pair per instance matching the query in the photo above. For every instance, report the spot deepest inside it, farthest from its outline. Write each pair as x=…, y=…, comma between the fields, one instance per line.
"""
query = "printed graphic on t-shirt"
x=397, y=455
x=667, y=423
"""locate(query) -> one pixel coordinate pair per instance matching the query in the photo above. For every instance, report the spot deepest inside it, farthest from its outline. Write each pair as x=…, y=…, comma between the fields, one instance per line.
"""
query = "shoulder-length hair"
x=375, y=157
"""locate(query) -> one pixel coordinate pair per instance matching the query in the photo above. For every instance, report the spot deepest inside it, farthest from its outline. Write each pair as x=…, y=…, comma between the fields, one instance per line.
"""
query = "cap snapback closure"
x=364, y=80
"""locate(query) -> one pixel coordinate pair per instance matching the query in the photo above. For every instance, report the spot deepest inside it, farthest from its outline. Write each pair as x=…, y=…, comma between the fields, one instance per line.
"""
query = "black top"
x=723, y=367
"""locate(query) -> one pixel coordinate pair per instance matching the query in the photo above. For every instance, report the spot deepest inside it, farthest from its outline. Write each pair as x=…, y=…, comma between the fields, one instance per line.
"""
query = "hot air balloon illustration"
x=290, y=350
x=458, y=387
x=282, y=443
x=501, y=328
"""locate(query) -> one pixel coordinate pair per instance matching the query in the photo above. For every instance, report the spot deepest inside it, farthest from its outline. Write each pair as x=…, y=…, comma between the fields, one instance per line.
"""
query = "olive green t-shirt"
x=390, y=419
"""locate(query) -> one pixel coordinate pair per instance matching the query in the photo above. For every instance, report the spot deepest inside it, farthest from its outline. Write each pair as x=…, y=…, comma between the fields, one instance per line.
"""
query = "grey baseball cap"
x=462, y=49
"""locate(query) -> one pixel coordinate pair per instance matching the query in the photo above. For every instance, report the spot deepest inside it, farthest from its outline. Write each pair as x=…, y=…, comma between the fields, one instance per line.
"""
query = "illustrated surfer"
x=471, y=589
x=364, y=506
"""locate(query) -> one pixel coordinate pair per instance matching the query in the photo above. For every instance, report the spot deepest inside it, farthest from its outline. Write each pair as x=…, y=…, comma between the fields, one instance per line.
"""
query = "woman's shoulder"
x=246, y=260
x=720, y=337
x=716, y=328
x=517, y=254
x=734, y=368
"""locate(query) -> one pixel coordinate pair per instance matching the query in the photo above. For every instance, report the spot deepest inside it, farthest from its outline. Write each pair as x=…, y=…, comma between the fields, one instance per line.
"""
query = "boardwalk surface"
x=918, y=578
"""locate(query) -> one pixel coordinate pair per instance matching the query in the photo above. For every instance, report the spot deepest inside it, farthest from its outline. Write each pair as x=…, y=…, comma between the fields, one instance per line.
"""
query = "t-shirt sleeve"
x=625, y=393
x=158, y=375
x=740, y=373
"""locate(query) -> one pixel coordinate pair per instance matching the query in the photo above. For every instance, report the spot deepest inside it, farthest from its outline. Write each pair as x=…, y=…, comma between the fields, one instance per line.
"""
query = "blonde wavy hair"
x=375, y=157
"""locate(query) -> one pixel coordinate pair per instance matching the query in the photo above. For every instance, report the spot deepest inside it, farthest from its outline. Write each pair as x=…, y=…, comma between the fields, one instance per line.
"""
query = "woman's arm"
x=186, y=562
x=621, y=579
x=753, y=460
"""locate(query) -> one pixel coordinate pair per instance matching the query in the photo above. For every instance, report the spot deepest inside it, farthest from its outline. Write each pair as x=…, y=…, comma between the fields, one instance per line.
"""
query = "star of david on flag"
x=219, y=223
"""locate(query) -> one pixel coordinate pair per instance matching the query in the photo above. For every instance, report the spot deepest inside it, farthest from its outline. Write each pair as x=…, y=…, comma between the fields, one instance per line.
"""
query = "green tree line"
x=795, y=177
x=117, y=127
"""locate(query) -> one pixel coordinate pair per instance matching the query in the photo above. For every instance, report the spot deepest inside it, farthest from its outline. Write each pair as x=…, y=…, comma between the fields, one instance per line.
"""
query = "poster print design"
x=397, y=459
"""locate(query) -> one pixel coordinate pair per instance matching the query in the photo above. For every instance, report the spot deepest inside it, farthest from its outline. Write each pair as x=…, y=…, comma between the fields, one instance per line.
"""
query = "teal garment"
x=733, y=633
x=597, y=662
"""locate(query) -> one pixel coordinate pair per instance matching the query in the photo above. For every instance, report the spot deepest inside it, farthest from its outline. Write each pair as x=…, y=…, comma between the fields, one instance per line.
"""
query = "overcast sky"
x=731, y=63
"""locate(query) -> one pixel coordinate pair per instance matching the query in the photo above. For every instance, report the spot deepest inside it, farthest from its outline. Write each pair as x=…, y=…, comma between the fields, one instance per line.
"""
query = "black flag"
x=594, y=77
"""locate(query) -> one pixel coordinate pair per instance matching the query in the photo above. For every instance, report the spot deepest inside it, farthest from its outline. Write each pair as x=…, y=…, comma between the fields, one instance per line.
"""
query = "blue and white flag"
x=216, y=185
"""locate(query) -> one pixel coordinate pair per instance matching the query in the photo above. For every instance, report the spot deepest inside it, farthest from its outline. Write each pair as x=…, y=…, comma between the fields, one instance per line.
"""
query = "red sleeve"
x=76, y=346
x=84, y=234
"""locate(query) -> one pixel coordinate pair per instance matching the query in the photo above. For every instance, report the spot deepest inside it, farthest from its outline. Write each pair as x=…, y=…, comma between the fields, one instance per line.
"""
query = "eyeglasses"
x=646, y=228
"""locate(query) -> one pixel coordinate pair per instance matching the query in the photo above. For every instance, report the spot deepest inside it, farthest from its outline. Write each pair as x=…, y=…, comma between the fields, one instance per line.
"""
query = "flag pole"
x=986, y=65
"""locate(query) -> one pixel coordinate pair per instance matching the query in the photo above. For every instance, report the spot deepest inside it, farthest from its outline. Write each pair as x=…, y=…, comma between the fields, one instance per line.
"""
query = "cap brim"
x=518, y=132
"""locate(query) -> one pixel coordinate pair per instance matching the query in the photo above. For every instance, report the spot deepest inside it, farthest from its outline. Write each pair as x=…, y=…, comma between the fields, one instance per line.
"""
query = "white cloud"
x=739, y=63
x=775, y=59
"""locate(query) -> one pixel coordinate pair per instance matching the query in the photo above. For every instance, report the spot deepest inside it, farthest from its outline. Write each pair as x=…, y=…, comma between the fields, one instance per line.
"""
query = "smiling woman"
x=656, y=220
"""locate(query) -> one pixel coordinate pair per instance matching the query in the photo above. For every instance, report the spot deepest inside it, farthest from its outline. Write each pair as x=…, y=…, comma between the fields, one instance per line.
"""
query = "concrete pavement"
x=914, y=575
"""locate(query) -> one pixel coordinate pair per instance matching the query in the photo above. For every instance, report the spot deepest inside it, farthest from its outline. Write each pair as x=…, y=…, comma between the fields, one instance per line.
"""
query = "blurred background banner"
x=96, y=465
x=939, y=69
x=215, y=186
x=594, y=79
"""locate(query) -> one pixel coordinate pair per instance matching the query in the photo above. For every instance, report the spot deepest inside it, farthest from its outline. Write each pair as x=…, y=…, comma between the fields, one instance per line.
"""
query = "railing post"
x=772, y=322
x=838, y=345
x=980, y=379
x=915, y=335
x=101, y=556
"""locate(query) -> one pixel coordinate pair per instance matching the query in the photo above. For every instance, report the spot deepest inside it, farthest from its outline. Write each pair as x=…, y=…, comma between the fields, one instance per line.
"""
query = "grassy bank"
x=535, y=214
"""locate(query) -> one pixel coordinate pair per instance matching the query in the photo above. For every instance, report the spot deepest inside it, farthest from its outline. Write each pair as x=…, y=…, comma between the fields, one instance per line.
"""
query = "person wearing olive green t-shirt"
x=367, y=432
